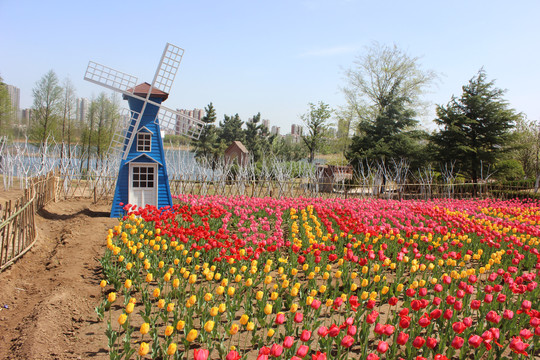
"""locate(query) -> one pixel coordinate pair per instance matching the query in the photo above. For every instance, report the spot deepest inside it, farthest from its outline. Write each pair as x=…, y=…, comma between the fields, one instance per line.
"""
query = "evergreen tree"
x=474, y=129
x=230, y=130
x=207, y=146
x=391, y=135
x=257, y=138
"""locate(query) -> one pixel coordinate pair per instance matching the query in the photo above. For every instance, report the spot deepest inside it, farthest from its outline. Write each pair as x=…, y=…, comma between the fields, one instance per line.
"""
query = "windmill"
x=142, y=176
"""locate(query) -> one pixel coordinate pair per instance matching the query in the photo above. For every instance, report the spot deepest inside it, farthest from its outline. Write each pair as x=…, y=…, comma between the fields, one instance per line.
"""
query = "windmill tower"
x=142, y=177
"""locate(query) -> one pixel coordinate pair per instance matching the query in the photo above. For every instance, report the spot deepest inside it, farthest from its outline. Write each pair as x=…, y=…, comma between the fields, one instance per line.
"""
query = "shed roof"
x=239, y=145
x=142, y=90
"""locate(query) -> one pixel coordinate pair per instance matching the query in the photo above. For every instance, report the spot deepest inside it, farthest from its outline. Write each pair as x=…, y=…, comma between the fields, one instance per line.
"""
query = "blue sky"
x=272, y=57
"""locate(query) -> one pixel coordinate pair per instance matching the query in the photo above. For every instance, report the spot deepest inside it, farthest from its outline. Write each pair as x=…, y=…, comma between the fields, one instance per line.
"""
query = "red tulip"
x=418, y=342
x=404, y=322
x=288, y=342
x=448, y=313
x=333, y=331
x=351, y=330
x=475, y=304
x=318, y=356
x=459, y=327
x=431, y=342
x=493, y=317
x=382, y=347
x=323, y=331
x=347, y=341
x=298, y=317
x=518, y=346
x=424, y=321
x=435, y=314
x=305, y=336
x=373, y=356
x=402, y=338
x=372, y=316
x=233, y=355
x=526, y=334
x=475, y=341
x=280, y=318
x=302, y=351
x=457, y=343
x=393, y=301
x=201, y=354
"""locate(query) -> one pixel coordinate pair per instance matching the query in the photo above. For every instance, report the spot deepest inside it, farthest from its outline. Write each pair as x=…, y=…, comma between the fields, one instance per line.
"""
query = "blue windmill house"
x=142, y=177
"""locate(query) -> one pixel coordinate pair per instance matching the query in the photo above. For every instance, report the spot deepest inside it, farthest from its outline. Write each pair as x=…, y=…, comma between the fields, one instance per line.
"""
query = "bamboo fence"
x=17, y=218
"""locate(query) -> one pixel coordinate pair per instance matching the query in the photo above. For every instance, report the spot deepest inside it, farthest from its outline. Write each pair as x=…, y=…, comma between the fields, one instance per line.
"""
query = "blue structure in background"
x=142, y=178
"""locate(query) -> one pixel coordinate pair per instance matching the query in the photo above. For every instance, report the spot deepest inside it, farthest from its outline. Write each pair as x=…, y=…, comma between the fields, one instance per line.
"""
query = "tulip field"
x=260, y=278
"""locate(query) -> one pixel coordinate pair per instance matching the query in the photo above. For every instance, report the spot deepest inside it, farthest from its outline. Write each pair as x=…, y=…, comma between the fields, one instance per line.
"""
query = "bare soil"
x=48, y=297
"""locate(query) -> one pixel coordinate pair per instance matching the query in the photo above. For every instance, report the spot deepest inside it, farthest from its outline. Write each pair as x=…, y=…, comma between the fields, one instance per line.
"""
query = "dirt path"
x=47, y=298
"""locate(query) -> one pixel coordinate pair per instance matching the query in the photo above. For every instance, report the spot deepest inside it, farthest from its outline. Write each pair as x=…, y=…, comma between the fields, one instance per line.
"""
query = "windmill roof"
x=142, y=90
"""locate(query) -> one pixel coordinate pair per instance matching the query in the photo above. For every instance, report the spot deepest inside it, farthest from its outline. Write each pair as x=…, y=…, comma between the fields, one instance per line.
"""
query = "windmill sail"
x=180, y=123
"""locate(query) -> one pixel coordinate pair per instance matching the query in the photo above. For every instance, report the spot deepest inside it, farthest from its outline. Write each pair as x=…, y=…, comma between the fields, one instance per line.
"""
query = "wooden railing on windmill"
x=137, y=143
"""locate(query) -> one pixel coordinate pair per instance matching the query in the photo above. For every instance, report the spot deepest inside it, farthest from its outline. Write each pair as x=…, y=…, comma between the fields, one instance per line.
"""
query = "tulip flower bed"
x=251, y=278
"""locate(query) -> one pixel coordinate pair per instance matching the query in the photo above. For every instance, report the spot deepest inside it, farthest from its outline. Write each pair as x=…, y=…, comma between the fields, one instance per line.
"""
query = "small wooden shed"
x=329, y=175
x=237, y=152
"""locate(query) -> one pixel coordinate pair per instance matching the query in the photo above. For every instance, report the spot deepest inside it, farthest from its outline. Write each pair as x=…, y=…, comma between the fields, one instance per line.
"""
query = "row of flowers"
x=243, y=278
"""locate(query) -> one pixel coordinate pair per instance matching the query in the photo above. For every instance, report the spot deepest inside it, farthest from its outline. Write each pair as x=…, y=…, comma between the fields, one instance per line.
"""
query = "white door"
x=143, y=184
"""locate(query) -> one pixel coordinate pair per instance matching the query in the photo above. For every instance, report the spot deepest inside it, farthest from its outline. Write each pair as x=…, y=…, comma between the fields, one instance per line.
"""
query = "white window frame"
x=141, y=142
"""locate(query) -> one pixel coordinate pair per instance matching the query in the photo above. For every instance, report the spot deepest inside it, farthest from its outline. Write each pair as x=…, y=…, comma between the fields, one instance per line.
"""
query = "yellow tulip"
x=111, y=297
x=180, y=325
x=192, y=335
x=145, y=327
x=209, y=326
x=169, y=330
x=129, y=308
x=268, y=309
x=122, y=319
x=144, y=348
x=171, y=349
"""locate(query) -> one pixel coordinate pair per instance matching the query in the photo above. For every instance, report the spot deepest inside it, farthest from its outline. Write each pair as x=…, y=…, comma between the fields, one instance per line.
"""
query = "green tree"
x=391, y=135
x=474, y=130
x=207, y=146
x=384, y=91
x=6, y=109
x=68, y=115
x=382, y=75
x=526, y=148
x=230, y=130
x=46, y=107
x=257, y=138
x=316, y=123
x=101, y=123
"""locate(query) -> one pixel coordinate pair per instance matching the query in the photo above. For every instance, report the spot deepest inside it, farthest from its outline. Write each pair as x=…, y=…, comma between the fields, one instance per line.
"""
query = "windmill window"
x=144, y=142
x=143, y=177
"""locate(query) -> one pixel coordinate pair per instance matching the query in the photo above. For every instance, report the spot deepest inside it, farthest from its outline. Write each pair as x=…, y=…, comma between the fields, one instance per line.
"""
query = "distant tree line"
x=477, y=133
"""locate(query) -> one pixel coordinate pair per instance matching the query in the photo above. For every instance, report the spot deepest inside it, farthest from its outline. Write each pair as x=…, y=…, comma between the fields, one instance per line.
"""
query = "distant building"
x=182, y=123
x=266, y=123
x=26, y=114
x=82, y=109
x=275, y=130
x=296, y=129
x=15, y=97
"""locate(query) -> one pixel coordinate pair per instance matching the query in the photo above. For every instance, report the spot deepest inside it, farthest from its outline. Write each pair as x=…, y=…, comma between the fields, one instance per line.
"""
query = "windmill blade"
x=180, y=123
x=110, y=78
x=124, y=129
x=167, y=68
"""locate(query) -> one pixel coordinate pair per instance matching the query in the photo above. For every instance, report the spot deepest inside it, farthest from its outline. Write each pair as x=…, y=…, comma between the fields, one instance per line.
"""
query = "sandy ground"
x=47, y=298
